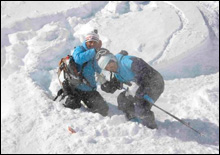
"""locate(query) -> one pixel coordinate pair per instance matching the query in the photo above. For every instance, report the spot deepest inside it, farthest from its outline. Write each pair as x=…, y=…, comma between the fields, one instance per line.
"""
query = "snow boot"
x=149, y=120
x=129, y=116
x=135, y=119
x=72, y=102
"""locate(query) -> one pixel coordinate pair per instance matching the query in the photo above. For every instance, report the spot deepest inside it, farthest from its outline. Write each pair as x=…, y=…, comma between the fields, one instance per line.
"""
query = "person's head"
x=112, y=66
x=107, y=60
x=92, y=39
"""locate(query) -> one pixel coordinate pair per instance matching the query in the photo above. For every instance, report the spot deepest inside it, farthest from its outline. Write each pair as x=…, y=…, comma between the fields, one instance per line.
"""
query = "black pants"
x=92, y=99
x=153, y=88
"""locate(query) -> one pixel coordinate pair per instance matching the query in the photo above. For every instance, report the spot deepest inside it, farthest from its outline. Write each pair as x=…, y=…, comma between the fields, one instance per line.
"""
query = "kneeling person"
x=86, y=65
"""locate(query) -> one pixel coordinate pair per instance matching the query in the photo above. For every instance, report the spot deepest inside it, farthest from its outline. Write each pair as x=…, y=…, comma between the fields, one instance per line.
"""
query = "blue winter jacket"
x=82, y=55
x=124, y=73
x=134, y=69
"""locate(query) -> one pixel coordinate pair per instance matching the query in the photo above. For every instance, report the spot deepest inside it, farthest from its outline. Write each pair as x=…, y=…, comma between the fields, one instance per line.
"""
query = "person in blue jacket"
x=84, y=57
x=146, y=82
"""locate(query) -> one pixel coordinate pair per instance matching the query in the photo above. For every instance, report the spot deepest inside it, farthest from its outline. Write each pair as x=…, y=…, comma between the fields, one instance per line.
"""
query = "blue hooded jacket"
x=124, y=73
x=82, y=55
x=134, y=69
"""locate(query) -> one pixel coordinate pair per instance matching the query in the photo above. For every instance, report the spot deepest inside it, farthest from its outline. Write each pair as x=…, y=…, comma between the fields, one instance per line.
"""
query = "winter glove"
x=107, y=87
x=111, y=86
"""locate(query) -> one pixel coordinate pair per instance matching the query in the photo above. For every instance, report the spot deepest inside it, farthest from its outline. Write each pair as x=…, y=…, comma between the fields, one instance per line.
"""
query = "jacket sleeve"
x=80, y=56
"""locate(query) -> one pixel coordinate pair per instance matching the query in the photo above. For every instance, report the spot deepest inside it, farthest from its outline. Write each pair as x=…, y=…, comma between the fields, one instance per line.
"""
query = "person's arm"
x=81, y=56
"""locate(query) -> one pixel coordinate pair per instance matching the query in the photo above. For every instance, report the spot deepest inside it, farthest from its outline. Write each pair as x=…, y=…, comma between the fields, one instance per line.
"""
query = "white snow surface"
x=178, y=38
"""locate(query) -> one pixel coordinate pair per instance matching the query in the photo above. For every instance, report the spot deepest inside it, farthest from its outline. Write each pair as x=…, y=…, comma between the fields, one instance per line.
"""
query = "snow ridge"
x=31, y=49
x=183, y=26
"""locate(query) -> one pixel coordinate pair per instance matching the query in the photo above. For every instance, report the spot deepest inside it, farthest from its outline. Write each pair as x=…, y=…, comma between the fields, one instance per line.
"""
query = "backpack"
x=69, y=77
x=68, y=71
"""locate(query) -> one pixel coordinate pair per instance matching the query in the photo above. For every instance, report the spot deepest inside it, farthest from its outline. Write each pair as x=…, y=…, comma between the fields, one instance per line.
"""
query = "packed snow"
x=178, y=38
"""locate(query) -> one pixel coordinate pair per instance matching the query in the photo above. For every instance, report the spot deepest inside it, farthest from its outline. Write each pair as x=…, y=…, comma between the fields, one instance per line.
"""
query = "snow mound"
x=179, y=39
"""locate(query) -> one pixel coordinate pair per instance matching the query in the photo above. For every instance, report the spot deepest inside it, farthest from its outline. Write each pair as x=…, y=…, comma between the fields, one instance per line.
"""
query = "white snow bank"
x=180, y=39
x=35, y=124
x=173, y=37
x=15, y=11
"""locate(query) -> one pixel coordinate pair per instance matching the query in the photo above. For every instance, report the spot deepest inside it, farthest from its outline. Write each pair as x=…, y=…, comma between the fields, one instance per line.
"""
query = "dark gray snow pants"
x=152, y=87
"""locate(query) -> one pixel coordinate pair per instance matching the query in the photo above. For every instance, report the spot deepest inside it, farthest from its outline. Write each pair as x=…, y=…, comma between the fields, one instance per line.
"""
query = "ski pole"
x=181, y=121
x=149, y=99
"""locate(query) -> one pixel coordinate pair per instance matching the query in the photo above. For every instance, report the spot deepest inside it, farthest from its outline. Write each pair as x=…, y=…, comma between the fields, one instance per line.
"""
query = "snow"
x=179, y=39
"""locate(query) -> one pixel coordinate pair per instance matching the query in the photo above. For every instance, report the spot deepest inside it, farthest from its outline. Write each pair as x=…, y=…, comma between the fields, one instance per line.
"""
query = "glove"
x=108, y=88
x=132, y=89
x=100, y=78
x=111, y=86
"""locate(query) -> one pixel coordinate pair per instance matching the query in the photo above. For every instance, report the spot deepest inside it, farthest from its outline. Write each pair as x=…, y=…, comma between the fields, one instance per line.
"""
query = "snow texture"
x=178, y=38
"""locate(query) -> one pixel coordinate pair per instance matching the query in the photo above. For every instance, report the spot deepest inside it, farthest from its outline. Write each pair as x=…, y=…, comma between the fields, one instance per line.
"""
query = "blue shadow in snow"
x=113, y=110
x=175, y=129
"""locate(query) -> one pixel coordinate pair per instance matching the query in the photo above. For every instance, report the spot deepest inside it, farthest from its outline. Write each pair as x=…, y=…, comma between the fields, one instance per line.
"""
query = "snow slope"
x=180, y=39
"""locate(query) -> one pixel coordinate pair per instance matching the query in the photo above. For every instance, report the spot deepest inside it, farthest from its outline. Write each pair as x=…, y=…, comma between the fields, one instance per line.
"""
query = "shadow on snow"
x=175, y=129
